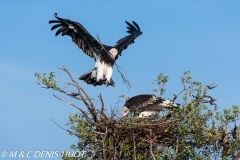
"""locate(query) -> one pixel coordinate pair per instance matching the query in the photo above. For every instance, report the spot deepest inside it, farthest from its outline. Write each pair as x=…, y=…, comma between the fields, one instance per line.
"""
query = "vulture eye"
x=111, y=55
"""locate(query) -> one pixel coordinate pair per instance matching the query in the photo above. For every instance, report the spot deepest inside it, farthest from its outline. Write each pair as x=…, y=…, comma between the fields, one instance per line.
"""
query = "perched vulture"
x=145, y=105
x=104, y=56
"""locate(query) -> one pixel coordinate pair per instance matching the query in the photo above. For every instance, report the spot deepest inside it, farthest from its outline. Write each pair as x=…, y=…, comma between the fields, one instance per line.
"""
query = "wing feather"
x=80, y=36
x=131, y=26
x=59, y=31
x=56, y=26
x=158, y=105
x=137, y=26
x=137, y=102
x=146, y=102
x=54, y=21
x=134, y=31
x=65, y=32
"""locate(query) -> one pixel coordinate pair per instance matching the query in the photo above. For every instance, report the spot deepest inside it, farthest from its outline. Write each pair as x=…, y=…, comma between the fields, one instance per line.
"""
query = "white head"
x=125, y=111
x=113, y=53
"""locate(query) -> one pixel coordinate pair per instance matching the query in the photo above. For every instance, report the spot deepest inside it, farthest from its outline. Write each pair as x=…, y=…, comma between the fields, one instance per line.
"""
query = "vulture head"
x=125, y=111
x=113, y=53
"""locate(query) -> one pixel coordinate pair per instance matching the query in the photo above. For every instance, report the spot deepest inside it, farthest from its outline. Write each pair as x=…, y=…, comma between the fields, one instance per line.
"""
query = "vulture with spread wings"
x=104, y=55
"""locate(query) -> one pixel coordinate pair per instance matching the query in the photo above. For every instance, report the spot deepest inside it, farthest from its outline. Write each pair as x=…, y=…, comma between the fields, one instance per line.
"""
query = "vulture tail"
x=90, y=78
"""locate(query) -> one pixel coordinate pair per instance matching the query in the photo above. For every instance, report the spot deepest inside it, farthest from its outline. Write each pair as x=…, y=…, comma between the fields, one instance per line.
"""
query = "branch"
x=55, y=87
x=211, y=87
x=224, y=142
x=134, y=148
x=84, y=113
x=89, y=105
x=212, y=100
x=237, y=157
x=207, y=87
x=176, y=96
x=234, y=132
x=104, y=156
x=63, y=128
x=123, y=77
x=151, y=145
x=102, y=109
x=176, y=152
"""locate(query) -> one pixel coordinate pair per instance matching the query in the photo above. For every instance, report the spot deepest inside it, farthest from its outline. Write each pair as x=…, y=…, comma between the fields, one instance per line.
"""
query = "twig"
x=104, y=156
x=121, y=146
x=175, y=96
x=99, y=133
x=205, y=89
x=134, y=148
x=212, y=100
x=63, y=128
x=237, y=157
x=123, y=77
x=90, y=106
x=176, y=152
x=84, y=113
x=102, y=109
x=211, y=87
x=151, y=145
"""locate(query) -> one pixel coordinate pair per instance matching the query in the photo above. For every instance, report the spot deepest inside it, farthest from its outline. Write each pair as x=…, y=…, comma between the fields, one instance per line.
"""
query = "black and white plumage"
x=145, y=105
x=104, y=55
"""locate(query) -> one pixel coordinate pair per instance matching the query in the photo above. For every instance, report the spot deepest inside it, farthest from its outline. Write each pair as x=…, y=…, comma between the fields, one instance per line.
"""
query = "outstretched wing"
x=134, y=31
x=80, y=36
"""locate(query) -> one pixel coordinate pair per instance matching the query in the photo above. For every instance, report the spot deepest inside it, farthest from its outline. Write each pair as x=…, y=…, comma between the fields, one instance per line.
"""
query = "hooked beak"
x=123, y=116
x=124, y=113
x=113, y=58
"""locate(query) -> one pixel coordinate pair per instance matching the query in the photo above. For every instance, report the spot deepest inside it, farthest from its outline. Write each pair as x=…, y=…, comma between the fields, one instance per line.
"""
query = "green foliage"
x=196, y=129
x=49, y=82
x=228, y=115
x=192, y=130
x=160, y=82
x=191, y=87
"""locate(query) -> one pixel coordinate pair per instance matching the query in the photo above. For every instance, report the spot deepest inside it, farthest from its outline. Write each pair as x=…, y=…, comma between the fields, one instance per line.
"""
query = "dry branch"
x=64, y=128
x=146, y=136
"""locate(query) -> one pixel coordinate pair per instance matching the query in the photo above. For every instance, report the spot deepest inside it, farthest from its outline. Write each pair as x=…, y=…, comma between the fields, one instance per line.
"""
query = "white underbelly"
x=102, y=66
x=147, y=114
x=103, y=70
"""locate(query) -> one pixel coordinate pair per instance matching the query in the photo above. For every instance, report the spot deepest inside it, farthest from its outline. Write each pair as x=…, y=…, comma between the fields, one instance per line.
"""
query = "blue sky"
x=200, y=36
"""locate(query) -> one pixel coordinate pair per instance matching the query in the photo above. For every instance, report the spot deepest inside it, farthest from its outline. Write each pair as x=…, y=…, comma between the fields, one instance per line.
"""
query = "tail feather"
x=86, y=75
x=89, y=79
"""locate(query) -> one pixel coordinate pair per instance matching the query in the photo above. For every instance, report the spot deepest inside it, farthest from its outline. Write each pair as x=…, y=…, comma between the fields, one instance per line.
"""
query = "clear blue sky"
x=201, y=36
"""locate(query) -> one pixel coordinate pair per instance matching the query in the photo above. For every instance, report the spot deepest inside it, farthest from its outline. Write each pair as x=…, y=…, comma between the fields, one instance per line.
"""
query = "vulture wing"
x=134, y=31
x=146, y=102
x=158, y=105
x=80, y=36
x=137, y=102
